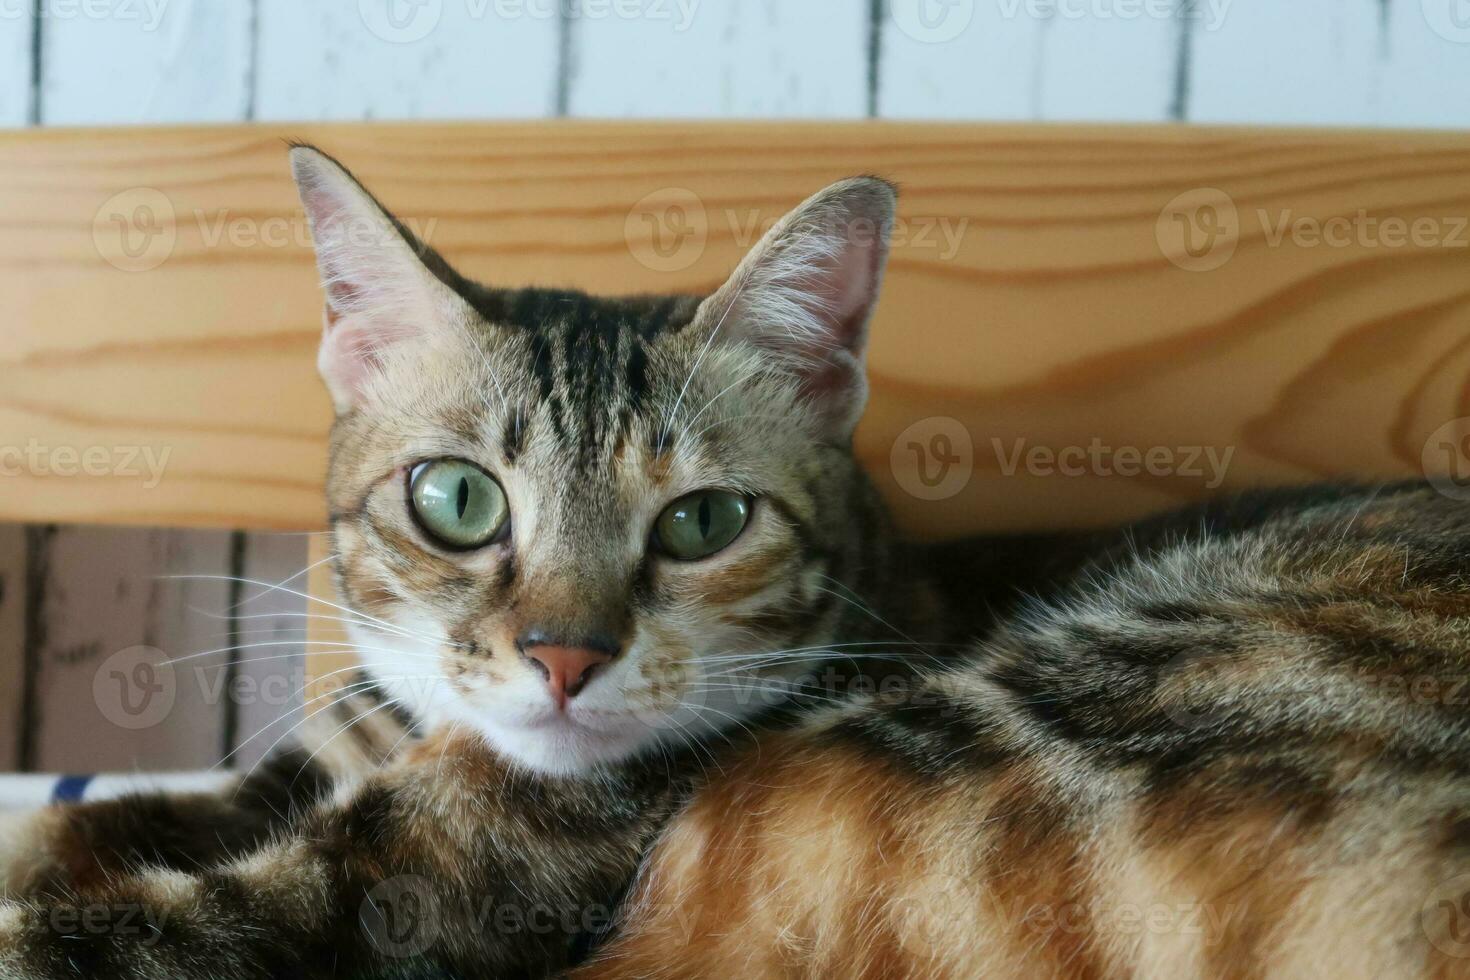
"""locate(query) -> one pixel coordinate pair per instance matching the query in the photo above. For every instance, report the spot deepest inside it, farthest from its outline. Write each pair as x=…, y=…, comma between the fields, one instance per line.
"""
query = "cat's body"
x=682, y=707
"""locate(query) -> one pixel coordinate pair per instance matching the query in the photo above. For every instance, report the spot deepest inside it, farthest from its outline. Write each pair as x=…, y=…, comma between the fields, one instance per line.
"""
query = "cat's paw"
x=27, y=850
x=19, y=925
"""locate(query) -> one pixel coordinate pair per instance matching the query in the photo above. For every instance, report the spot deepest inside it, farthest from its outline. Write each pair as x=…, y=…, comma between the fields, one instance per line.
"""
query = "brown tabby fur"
x=1223, y=743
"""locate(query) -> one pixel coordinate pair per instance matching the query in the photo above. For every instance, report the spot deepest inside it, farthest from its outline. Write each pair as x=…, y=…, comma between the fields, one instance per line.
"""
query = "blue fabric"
x=69, y=789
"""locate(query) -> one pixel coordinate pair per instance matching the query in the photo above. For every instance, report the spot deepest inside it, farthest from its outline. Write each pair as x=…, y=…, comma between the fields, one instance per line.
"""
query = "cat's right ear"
x=380, y=292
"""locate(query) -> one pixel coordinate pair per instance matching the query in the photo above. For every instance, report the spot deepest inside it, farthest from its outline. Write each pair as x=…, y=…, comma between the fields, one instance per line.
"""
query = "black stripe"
x=513, y=440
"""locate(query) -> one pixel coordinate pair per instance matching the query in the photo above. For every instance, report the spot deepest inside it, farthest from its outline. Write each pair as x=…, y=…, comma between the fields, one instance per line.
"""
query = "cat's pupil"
x=463, y=499
x=706, y=517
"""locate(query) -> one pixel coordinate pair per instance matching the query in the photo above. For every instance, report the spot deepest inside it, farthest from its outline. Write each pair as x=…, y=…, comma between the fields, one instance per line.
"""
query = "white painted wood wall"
x=70, y=598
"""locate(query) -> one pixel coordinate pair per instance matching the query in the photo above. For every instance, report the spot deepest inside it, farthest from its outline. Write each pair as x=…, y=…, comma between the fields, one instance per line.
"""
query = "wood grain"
x=1056, y=318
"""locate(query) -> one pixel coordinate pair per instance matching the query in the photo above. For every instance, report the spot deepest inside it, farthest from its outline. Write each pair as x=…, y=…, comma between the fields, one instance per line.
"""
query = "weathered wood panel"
x=741, y=58
x=271, y=626
x=13, y=592
x=381, y=59
x=106, y=697
x=1040, y=292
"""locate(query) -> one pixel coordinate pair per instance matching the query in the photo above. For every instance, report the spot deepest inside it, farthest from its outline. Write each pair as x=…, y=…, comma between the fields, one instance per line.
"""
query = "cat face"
x=583, y=527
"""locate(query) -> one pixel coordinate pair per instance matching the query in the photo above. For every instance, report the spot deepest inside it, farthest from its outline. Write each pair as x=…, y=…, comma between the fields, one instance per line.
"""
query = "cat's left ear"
x=385, y=289
x=806, y=292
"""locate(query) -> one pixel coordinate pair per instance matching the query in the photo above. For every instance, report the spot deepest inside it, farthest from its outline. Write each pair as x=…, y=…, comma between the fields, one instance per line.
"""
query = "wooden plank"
x=107, y=697
x=1029, y=59
x=681, y=58
x=16, y=30
x=158, y=61
x=13, y=588
x=382, y=59
x=1056, y=315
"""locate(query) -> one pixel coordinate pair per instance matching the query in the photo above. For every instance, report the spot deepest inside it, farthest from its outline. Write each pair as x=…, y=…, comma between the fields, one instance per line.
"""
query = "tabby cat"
x=651, y=691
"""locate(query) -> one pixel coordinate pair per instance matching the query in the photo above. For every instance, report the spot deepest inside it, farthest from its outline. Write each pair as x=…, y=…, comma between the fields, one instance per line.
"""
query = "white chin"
x=561, y=746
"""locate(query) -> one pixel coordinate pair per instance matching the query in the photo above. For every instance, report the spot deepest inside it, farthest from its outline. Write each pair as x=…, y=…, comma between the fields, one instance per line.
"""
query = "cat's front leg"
x=65, y=848
x=447, y=862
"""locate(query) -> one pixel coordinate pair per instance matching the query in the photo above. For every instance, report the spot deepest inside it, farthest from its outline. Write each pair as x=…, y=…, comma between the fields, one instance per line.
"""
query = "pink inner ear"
x=848, y=283
x=330, y=225
x=341, y=295
x=855, y=278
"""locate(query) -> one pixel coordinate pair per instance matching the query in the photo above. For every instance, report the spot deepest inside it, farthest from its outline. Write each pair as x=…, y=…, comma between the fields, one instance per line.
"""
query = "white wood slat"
x=104, y=699
x=966, y=60
x=1109, y=60
x=1426, y=78
x=737, y=58
x=395, y=59
x=1028, y=59
x=1335, y=62
x=1315, y=62
x=15, y=61
x=111, y=62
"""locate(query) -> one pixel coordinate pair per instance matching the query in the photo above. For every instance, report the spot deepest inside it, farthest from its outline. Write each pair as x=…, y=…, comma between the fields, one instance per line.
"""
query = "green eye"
x=701, y=524
x=457, y=503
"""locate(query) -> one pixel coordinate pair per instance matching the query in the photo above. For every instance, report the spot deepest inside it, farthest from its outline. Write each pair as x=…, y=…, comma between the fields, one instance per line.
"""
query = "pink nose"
x=567, y=669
